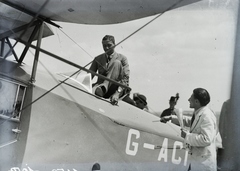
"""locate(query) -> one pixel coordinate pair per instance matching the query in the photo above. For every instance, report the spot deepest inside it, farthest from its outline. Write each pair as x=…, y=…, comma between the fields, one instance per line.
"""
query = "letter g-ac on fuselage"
x=165, y=154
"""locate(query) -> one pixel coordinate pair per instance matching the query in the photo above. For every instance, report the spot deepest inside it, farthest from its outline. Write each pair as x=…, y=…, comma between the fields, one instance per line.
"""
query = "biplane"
x=59, y=124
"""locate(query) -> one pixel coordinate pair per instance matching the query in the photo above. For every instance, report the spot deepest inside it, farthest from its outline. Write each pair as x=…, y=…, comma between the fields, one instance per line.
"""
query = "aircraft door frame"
x=12, y=95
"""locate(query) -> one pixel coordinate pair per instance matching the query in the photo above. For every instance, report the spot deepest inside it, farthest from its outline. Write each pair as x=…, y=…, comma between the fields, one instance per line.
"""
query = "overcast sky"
x=183, y=49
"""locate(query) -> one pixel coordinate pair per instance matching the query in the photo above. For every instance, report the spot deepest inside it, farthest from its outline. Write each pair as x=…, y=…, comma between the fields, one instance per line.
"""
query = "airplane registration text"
x=132, y=147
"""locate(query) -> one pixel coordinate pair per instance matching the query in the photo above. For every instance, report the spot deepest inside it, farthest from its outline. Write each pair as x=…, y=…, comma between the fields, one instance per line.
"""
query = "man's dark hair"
x=202, y=95
x=109, y=38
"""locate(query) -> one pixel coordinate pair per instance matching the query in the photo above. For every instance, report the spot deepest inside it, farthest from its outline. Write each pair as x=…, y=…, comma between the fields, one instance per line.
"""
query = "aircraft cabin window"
x=11, y=99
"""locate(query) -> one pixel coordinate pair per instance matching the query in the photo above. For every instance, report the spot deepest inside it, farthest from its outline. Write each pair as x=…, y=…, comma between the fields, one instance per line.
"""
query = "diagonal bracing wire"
x=83, y=68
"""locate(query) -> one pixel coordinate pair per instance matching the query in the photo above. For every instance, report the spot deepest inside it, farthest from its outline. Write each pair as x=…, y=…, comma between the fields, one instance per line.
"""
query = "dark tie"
x=108, y=60
x=193, y=117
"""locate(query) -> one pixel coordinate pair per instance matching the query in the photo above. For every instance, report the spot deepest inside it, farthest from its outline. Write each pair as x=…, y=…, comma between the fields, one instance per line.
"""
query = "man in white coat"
x=201, y=137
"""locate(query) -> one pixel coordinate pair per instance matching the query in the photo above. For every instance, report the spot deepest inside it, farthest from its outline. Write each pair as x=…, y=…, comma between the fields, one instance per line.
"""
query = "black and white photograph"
x=119, y=85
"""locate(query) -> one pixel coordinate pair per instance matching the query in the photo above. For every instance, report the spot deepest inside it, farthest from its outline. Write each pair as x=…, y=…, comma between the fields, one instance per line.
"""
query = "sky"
x=185, y=48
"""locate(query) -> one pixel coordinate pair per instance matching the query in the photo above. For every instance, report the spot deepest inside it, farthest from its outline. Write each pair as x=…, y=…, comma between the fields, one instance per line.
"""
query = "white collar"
x=198, y=111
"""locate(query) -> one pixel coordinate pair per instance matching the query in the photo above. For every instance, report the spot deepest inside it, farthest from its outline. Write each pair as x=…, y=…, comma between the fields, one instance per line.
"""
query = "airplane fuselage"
x=62, y=132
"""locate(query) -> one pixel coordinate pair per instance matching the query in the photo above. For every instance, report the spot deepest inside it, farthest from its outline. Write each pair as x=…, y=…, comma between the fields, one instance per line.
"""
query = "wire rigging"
x=34, y=101
x=76, y=43
x=171, y=7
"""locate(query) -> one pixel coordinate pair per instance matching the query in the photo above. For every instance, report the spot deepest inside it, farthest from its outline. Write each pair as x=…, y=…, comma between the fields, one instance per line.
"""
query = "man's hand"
x=165, y=119
x=183, y=133
x=114, y=99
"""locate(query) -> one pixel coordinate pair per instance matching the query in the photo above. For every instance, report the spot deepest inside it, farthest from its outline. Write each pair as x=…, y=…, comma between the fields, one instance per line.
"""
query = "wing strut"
x=11, y=47
x=9, y=34
x=2, y=46
x=36, y=29
x=40, y=35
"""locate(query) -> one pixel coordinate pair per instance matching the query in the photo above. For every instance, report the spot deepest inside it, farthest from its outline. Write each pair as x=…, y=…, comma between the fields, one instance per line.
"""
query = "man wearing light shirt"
x=202, y=134
x=200, y=139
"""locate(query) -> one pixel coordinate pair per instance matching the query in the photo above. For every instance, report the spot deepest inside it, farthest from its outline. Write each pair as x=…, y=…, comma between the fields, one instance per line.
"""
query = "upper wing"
x=15, y=15
x=98, y=11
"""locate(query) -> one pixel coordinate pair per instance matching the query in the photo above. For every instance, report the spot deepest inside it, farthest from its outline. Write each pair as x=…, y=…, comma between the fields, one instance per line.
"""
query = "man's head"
x=108, y=43
x=140, y=100
x=199, y=98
